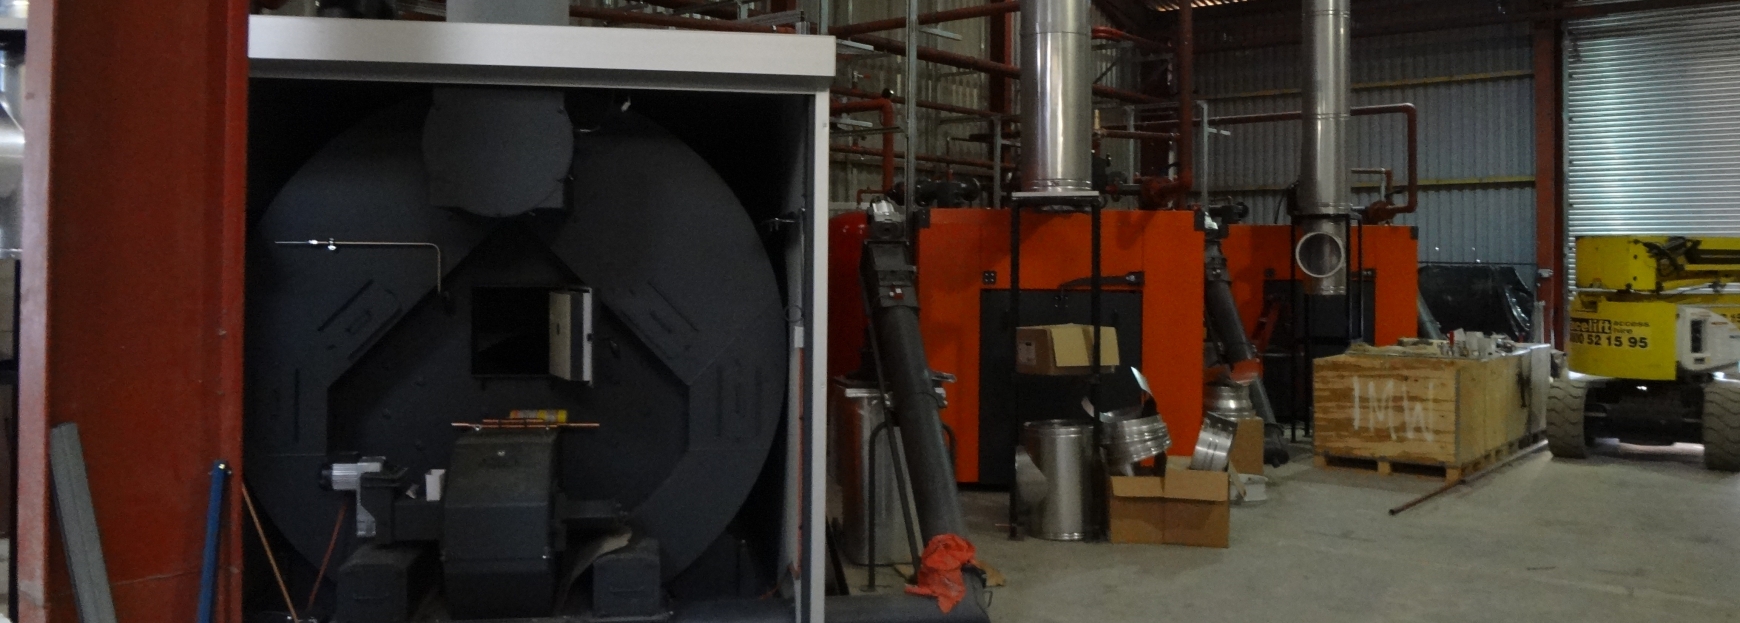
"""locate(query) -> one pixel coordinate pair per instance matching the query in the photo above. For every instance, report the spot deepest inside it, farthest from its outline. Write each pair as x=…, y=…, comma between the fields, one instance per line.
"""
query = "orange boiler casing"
x=964, y=246
x=1259, y=253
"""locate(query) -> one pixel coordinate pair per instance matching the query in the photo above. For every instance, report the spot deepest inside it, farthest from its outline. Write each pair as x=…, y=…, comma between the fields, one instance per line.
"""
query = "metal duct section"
x=1325, y=198
x=1056, y=97
x=11, y=152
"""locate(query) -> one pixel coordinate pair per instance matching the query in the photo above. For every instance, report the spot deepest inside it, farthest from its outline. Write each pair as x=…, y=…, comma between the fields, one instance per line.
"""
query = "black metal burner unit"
x=403, y=281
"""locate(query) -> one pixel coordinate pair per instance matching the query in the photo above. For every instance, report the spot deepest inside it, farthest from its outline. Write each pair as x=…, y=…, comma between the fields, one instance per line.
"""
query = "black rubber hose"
x=1227, y=328
x=1223, y=313
x=889, y=276
x=915, y=407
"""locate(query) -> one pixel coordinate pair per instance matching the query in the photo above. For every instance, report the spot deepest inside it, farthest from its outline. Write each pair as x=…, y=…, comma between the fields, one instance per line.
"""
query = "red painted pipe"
x=983, y=10
x=884, y=44
x=1284, y=26
x=1386, y=212
x=1107, y=33
x=887, y=107
x=1186, y=66
x=1000, y=70
x=721, y=12
x=1406, y=110
x=940, y=57
x=858, y=93
x=672, y=21
x=1139, y=135
x=965, y=162
x=1104, y=33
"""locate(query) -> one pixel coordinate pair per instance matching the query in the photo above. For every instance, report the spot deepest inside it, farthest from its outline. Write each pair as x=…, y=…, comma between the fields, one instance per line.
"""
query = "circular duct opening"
x=1320, y=255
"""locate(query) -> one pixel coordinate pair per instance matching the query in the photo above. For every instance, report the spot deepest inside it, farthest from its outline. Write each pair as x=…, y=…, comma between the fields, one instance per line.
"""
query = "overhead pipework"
x=1325, y=197
x=1056, y=100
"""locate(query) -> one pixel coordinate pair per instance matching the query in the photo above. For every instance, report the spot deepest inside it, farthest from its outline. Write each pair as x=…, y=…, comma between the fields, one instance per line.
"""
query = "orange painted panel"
x=1394, y=252
x=1055, y=249
x=1254, y=254
x=948, y=305
x=1172, y=330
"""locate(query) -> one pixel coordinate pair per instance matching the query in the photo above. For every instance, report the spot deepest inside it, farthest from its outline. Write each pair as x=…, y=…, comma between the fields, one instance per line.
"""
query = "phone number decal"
x=1610, y=333
x=1611, y=341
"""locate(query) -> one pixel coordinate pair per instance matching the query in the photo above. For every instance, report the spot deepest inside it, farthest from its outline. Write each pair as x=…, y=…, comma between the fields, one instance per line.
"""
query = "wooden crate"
x=1421, y=410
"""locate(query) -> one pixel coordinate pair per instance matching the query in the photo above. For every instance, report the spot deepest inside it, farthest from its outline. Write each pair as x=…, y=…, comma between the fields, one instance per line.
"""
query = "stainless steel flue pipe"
x=1056, y=97
x=1325, y=195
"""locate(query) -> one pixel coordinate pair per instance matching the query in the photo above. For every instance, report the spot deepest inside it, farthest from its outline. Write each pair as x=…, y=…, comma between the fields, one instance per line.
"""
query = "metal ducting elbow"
x=1325, y=198
x=1056, y=98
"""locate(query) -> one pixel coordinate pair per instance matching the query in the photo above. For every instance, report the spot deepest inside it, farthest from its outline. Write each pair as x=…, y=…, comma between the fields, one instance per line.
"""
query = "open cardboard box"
x=1136, y=509
x=1063, y=349
x=1184, y=507
x=1197, y=508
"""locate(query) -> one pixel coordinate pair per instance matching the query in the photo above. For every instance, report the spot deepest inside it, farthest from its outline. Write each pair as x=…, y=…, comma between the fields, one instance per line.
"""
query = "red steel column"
x=1000, y=39
x=1186, y=55
x=131, y=291
x=1000, y=35
x=1550, y=242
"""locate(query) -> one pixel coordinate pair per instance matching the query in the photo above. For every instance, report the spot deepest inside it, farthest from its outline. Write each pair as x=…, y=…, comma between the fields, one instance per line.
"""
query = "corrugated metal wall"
x=1473, y=89
x=1652, y=126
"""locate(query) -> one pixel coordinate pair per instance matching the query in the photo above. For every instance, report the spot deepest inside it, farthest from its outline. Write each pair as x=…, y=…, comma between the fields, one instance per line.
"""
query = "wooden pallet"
x=1449, y=473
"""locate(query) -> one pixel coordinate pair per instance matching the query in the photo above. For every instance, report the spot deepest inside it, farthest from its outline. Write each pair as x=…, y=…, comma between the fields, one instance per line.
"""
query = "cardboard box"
x=1196, y=508
x=1246, y=455
x=1136, y=509
x=1063, y=349
x=1186, y=507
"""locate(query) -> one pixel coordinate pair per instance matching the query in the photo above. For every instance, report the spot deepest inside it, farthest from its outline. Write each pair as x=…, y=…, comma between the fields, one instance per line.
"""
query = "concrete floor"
x=1633, y=534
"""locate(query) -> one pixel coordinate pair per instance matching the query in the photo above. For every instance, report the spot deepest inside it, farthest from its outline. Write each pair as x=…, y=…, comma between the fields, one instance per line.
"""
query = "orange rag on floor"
x=939, y=574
